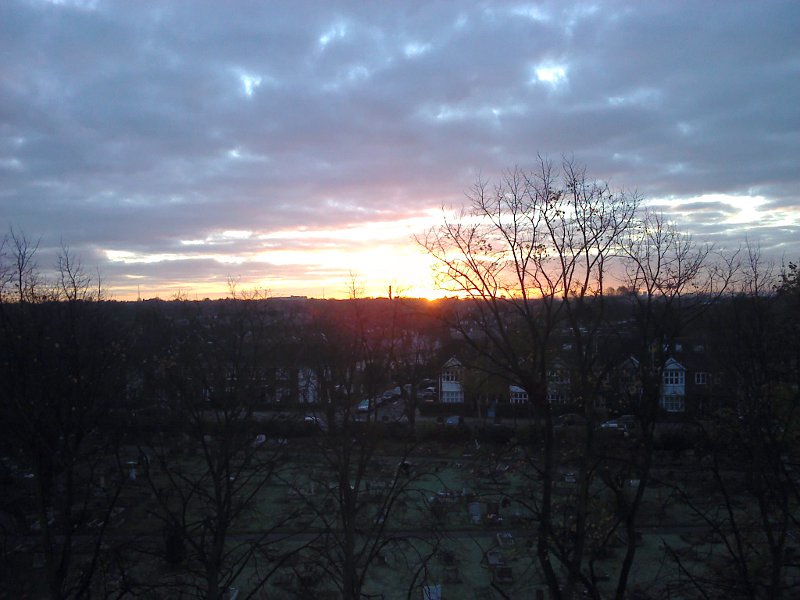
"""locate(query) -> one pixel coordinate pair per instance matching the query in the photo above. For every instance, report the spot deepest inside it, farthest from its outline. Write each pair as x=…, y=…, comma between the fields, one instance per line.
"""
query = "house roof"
x=674, y=365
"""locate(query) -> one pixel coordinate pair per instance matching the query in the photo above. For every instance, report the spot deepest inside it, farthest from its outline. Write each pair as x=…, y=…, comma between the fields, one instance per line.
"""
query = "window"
x=555, y=397
x=673, y=403
x=451, y=397
x=700, y=378
x=519, y=397
x=558, y=376
x=450, y=375
x=674, y=377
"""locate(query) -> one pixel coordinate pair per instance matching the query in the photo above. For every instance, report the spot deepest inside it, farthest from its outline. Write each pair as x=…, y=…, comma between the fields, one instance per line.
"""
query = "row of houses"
x=687, y=384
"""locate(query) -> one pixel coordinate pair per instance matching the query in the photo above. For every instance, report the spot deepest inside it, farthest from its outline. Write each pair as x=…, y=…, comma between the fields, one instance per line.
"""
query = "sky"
x=297, y=147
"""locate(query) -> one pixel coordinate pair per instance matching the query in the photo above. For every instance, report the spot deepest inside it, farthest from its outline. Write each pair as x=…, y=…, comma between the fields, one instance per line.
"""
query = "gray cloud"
x=132, y=126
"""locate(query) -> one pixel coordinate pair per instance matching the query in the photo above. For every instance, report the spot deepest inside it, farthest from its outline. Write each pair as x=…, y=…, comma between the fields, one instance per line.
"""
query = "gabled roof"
x=452, y=363
x=674, y=365
x=631, y=361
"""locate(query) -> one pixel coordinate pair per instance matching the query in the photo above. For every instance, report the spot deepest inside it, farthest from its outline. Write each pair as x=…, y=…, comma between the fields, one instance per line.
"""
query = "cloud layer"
x=294, y=144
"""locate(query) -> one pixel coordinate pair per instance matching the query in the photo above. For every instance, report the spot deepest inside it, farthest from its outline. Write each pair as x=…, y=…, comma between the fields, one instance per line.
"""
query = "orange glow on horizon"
x=320, y=263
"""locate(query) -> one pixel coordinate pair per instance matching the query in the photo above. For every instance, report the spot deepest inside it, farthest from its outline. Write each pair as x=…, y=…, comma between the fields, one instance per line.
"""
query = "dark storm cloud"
x=132, y=127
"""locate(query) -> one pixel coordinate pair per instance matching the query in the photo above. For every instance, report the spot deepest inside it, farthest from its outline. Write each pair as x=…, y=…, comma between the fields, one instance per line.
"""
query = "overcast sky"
x=174, y=144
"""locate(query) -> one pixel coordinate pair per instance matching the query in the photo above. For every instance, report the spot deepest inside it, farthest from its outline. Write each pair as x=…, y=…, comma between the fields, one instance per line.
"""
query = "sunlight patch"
x=642, y=97
x=239, y=154
x=413, y=49
x=447, y=113
x=530, y=11
x=235, y=234
x=337, y=32
x=141, y=258
x=79, y=4
x=744, y=210
x=550, y=74
x=249, y=83
x=217, y=238
x=127, y=257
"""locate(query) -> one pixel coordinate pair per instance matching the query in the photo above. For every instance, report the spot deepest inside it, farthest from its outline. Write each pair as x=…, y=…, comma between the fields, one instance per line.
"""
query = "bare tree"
x=361, y=484
x=61, y=371
x=417, y=346
x=207, y=473
x=673, y=281
x=750, y=508
x=20, y=275
x=532, y=255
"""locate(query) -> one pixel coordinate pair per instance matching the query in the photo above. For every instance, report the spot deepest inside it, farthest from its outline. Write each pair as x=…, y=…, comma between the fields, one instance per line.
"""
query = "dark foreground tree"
x=360, y=490
x=749, y=503
x=207, y=471
x=61, y=367
x=534, y=255
x=531, y=254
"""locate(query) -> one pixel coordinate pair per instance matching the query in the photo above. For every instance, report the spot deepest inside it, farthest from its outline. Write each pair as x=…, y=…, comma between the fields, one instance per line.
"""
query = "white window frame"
x=519, y=397
x=452, y=396
x=701, y=378
x=673, y=403
x=674, y=377
x=450, y=375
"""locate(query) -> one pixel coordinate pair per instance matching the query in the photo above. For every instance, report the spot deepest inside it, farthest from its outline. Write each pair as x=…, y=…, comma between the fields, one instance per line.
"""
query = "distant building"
x=451, y=387
x=673, y=387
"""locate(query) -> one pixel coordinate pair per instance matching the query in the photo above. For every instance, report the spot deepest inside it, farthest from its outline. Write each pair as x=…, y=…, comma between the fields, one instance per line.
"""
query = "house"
x=451, y=386
x=673, y=387
x=516, y=395
x=307, y=386
x=705, y=389
x=621, y=388
x=558, y=383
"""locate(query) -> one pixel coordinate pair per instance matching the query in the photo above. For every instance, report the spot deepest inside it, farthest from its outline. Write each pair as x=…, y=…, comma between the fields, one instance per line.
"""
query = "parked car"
x=392, y=394
x=315, y=422
x=453, y=421
x=429, y=394
x=626, y=424
x=365, y=405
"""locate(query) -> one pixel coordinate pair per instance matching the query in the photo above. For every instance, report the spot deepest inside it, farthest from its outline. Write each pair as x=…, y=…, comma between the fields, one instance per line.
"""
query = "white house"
x=451, y=390
x=673, y=387
x=516, y=395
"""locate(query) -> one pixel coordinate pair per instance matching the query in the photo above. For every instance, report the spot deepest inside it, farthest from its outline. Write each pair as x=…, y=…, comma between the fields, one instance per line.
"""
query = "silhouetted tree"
x=751, y=508
x=61, y=367
x=361, y=485
x=532, y=255
x=206, y=474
